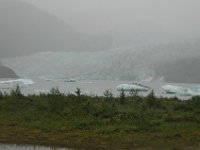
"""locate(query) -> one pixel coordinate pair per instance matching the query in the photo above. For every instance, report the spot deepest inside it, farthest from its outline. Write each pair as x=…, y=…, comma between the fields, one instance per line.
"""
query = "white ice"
x=172, y=89
x=129, y=87
x=13, y=83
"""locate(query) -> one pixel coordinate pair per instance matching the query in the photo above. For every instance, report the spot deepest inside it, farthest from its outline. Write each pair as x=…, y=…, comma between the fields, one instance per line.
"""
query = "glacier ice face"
x=102, y=65
x=131, y=63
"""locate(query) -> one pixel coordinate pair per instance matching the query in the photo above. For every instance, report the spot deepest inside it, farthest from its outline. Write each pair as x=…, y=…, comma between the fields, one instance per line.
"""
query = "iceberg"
x=171, y=89
x=9, y=84
x=70, y=80
x=197, y=91
x=60, y=79
x=135, y=86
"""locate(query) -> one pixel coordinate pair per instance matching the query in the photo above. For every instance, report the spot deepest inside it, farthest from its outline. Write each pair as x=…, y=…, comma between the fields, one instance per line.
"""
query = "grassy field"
x=100, y=122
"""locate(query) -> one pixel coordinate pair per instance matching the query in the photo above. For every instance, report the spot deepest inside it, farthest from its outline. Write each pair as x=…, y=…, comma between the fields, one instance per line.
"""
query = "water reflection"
x=17, y=147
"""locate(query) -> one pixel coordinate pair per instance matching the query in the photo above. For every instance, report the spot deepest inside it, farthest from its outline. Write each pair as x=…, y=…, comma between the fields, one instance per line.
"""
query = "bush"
x=133, y=93
x=55, y=91
x=122, y=97
x=16, y=93
x=1, y=95
x=108, y=95
x=152, y=101
x=78, y=92
x=196, y=101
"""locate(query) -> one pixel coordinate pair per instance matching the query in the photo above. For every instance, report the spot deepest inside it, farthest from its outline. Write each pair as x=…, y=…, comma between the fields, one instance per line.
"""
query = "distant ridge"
x=25, y=29
x=6, y=72
x=184, y=70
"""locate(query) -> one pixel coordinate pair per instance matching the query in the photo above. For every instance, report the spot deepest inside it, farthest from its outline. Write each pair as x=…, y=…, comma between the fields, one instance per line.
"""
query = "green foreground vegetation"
x=107, y=122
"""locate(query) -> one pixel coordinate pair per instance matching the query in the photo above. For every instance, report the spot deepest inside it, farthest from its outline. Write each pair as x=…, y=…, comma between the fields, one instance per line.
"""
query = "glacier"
x=137, y=63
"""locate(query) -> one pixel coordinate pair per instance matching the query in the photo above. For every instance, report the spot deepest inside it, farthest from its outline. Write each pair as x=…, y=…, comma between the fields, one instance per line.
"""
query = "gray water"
x=17, y=147
x=96, y=87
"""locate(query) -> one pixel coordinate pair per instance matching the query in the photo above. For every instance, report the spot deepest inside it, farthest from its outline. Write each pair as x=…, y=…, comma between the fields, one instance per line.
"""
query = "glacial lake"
x=96, y=87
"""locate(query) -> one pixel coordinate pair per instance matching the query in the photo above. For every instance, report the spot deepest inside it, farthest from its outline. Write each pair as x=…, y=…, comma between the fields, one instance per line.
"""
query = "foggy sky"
x=173, y=16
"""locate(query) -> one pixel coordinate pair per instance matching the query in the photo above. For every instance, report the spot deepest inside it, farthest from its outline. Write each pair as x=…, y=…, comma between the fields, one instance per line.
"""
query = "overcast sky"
x=181, y=16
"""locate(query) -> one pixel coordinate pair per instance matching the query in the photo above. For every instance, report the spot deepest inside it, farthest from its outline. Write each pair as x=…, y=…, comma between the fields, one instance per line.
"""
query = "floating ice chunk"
x=69, y=80
x=60, y=79
x=197, y=89
x=13, y=83
x=135, y=86
x=26, y=81
x=188, y=92
x=171, y=89
x=48, y=79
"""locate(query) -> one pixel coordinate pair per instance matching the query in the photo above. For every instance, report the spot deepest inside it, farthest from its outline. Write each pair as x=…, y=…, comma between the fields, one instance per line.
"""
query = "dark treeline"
x=105, y=114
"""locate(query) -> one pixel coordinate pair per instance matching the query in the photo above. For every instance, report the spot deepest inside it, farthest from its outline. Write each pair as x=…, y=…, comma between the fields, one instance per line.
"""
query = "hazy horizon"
x=172, y=16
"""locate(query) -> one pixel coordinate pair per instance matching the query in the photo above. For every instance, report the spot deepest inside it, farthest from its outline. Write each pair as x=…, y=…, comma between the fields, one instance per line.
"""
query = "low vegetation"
x=89, y=116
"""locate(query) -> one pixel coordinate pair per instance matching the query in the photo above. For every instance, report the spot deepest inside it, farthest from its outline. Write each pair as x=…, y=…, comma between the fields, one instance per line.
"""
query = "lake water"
x=96, y=87
x=17, y=147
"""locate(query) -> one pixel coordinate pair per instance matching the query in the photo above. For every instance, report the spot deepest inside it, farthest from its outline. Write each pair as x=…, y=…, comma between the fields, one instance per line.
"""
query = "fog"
x=102, y=39
x=173, y=16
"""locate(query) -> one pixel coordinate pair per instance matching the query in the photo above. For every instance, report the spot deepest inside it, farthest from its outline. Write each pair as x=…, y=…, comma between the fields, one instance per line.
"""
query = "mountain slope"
x=183, y=70
x=6, y=72
x=25, y=29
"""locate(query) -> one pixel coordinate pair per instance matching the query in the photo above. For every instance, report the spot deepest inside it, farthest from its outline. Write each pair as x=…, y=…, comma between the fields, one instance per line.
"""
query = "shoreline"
x=89, y=140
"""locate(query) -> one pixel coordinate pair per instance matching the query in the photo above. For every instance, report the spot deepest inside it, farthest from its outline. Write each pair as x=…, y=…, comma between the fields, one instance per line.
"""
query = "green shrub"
x=122, y=97
x=107, y=114
x=16, y=93
x=152, y=100
x=78, y=92
x=108, y=95
x=1, y=95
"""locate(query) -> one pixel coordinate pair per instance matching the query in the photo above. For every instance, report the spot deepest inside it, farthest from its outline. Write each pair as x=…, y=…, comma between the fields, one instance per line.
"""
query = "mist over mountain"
x=168, y=61
x=38, y=44
x=182, y=70
x=25, y=29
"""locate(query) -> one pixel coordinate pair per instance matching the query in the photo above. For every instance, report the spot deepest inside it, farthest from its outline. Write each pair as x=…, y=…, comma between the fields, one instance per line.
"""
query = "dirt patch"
x=90, y=140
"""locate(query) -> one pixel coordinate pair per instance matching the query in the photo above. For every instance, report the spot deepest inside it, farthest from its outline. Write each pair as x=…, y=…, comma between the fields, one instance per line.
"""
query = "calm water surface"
x=96, y=87
x=17, y=147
